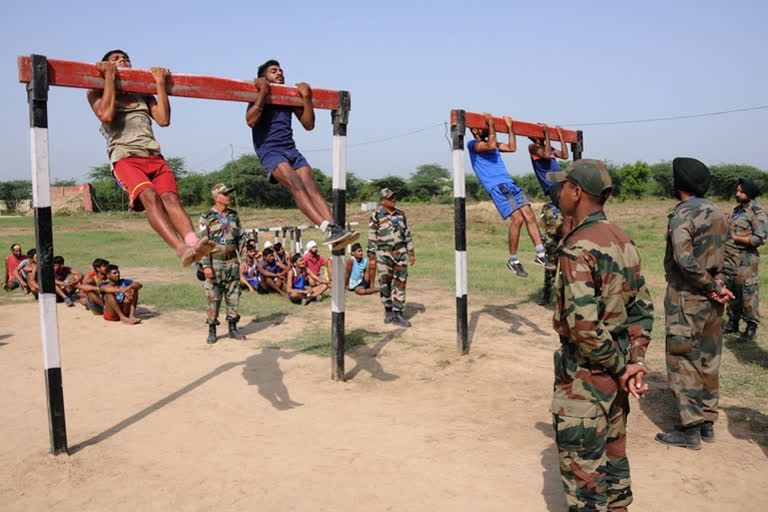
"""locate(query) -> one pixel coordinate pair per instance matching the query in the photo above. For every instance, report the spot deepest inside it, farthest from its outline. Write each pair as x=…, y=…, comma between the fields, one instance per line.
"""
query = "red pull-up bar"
x=84, y=75
x=521, y=128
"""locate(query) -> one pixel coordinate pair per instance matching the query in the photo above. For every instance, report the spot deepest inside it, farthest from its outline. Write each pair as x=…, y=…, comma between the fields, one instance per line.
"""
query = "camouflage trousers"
x=226, y=283
x=392, y=274
x=551, y=228
x=746, y=289
x=693, y=346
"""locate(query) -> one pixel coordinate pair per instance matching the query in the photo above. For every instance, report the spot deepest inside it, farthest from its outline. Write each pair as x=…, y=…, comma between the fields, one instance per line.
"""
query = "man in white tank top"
x=137, y=164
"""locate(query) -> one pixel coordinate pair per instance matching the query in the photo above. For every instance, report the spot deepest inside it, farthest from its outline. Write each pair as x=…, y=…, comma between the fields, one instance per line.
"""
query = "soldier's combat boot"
x=388, y=316
x=732, y=325
x=707, y=432
x=211, y=334
x=233, y=332
x=399, y=319
x=686, y=437
x=749, y=333
x=546, y=296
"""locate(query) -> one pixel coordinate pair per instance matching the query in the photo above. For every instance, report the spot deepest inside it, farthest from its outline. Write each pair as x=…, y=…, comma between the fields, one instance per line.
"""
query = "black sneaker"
x=338, y=237
x=542, y=261
x=517, y=268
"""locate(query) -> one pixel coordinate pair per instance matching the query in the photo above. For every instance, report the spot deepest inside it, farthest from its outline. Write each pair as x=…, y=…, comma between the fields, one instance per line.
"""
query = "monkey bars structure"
x=38, y=72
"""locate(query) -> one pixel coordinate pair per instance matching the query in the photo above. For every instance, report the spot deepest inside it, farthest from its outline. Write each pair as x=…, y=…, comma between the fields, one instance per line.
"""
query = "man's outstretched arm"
x=562, y=153
x=306, y=113
x=160, y=107
x=255, y=109
x=103, y=101
x=510, y=147
x=482, y=146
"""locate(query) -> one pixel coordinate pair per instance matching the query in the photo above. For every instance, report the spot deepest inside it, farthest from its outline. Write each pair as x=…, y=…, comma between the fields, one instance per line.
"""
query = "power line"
x=383, y=139
x=671, y=118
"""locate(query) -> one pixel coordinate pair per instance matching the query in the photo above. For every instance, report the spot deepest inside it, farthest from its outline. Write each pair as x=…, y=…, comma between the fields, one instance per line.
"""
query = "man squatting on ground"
x=299, y=287
x=360, y=272
x=544, y=160
x=221, y=225
x=273, y=142
x=390, y=242
x=695, y=269
x=120, y=296
x=510, y=200
x=137, y=164
x=747, y=231
x=66, y=280
x=604, y=316
x=26, y=273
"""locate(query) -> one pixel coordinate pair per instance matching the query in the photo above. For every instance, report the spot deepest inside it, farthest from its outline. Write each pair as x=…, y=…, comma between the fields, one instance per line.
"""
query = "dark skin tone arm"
x=103, y=102
x=266, y=273
x=511, y=146
x=110, y=288
x=255, y=109
x=481, y=146
x=347, y=271
x=545, y=151
x=306, y=113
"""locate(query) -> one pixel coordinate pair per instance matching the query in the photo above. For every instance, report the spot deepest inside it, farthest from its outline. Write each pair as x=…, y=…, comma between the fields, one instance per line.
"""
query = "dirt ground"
x=158, y=420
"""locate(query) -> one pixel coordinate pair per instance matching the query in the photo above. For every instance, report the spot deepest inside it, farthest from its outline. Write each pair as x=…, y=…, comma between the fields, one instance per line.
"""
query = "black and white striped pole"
x=460, y=231
x=37, y=95
x=340, y=119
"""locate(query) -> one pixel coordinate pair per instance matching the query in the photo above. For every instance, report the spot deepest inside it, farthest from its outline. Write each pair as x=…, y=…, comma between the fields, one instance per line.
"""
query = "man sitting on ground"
x=315, y=263
x=299, y=288
x=120, y=297
x=360, y=273
x=24, y=269
x=249, y=274
x=270, y=278
x=10, y=282
x=282, y=257
x=90, y=295
x=510, y=200
x=66, y=279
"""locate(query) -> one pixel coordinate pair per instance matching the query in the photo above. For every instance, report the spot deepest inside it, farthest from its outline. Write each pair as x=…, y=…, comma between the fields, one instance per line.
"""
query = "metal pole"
x=460, y=235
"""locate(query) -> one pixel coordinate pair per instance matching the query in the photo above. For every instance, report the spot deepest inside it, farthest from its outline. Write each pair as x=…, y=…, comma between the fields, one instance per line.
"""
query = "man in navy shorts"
x=273, y=142
x=510, y=201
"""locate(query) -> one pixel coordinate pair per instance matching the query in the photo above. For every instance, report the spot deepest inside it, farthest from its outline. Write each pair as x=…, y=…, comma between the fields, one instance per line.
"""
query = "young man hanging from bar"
x=544, y=160
x=273, y=142
x=509, y=198
x=137, y=164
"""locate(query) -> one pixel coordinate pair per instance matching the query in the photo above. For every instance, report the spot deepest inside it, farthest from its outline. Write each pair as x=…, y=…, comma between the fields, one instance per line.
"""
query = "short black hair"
x=58, y=259
x=356, y=246
x=295, y=257
x=267, y=251
x=98, y=262
x=112, y=52
x=277, y=246
x=110, y=268
x=263, y=67
x=31, y=252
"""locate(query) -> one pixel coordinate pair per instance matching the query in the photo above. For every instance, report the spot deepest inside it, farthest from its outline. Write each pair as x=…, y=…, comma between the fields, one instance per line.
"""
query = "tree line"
x=428, y=183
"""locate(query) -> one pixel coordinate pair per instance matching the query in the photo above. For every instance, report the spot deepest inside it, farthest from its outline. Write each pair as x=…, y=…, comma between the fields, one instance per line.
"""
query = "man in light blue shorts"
x=509, y=198
x=360, y=273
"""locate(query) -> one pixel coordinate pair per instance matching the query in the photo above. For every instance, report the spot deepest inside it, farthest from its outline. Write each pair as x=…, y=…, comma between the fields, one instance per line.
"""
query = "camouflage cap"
x=221, y=188
x=749, y=187
x=588, y=174
x=385, y=193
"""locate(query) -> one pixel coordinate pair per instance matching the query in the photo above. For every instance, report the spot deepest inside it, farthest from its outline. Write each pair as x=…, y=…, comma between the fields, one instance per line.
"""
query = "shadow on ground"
x=505, y=314
x=658, y=404
x=412, y=309
x=746, y=353
x=366, y=356
x=263, y=370
x=553, y=487
x=260, y=324
x=748, y=424
x=146, y=314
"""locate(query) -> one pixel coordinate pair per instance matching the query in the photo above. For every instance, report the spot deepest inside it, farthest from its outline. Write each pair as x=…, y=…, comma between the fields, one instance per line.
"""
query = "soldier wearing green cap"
x=390, y=242
x=221, y=268
x=604, y=316
x=747, y=230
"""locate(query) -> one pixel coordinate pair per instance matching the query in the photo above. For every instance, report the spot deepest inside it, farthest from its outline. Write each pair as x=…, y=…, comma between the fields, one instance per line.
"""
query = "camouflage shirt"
x=748, y=220
x=224, y=230
x=388, y=231
x=604, y=307
x=695, y=254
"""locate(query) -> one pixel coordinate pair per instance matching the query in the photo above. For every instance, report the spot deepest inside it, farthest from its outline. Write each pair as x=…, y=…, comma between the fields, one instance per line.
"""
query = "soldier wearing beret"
x=390, y=242
x=221, y=268
x=748, y=230
x=695, y=270
x=604, y=316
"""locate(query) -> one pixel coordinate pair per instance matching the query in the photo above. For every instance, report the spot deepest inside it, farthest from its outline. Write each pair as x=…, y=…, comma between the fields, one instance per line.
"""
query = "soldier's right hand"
x=208, y=272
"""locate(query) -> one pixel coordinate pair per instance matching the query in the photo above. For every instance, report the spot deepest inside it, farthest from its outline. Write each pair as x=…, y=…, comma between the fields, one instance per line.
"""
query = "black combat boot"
x=233, y=332
x=399, y=319
x=211, y=334
x=749, y=333
x=546, y=296
x=686, y=437
x=388, y=315
x=732, y=325
x=707, y=432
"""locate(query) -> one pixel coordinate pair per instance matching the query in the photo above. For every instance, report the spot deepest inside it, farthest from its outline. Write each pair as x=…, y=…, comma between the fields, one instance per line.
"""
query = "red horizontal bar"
x=85, y=76
x=521, y=128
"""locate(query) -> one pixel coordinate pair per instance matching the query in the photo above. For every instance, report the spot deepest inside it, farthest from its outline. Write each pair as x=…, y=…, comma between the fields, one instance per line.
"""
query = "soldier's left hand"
x=412, y=259
x=632, y=380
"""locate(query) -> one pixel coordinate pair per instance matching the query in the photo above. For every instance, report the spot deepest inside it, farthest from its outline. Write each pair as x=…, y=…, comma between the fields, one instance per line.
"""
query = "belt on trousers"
x=228, y=255
x=391, y=247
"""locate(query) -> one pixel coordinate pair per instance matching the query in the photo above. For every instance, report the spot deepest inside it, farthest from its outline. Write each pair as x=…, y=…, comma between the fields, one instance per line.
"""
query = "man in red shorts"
x=137, y=164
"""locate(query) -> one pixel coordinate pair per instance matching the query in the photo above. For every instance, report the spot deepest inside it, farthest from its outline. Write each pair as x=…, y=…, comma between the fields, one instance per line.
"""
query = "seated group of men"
x=101, y=290
x=301, y=278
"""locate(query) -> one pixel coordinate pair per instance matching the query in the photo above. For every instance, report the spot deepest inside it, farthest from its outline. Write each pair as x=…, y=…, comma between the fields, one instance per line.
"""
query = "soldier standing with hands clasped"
x=222, y=268
x=604, y=316
x=390, y=242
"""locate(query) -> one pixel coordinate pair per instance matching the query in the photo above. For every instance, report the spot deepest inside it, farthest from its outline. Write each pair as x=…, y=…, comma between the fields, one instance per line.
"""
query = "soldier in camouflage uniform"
x=389, y=241
x=551, y=227
x=747, y=231
x=604, y=316
x=222, y=268
x=694, y=266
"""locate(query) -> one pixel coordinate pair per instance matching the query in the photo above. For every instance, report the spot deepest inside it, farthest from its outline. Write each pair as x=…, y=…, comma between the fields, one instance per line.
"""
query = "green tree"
x=634, y=180
x=427, y=181
x=395, y=183
x=64, y=183
x=14, y=192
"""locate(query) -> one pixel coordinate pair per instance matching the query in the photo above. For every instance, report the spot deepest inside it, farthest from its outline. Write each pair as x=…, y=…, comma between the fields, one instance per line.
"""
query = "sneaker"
x=542, y=261
x=319, y=298
x=304, y=301
x=517, y=268
x=187, y=256
x=339, y=237
x=68, y=302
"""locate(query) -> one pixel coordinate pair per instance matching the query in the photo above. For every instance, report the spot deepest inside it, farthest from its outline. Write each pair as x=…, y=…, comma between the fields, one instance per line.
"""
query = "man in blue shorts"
x=510, y=201
x=273, y=141
x=360, y=273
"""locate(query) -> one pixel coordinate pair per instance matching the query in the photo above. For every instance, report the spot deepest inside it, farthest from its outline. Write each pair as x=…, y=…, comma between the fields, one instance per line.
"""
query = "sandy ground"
x=158, y=420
